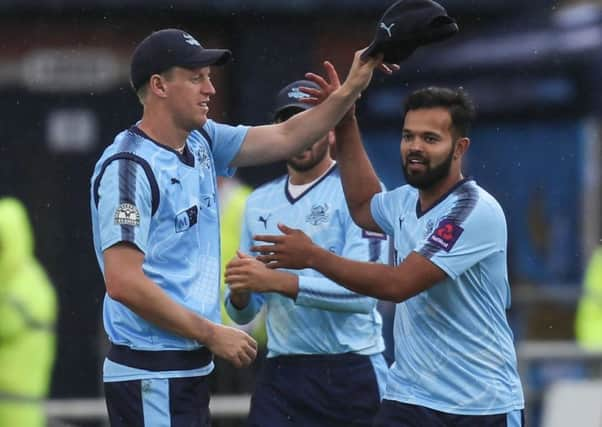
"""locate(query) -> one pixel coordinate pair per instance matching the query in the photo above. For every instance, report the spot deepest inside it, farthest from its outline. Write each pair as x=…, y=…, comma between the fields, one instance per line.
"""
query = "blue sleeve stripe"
x=127, y=194
x=335, y=295
x=147, y=170
x=207, y=137
x=467, y=200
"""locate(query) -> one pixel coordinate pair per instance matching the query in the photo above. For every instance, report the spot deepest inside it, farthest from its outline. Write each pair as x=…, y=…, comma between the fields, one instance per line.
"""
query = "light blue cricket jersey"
x=325, y=318
x=454, y=350
x=165, y=203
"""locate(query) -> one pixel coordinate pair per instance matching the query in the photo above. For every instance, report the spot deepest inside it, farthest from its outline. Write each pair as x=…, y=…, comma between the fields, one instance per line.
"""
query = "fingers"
x=285, y=229
x=270, y=261
x=236, y=263
x=243, y=255
x=264, y=249
x=267, y=238
x=314, y=93
x=333, y=76
x=388, y=68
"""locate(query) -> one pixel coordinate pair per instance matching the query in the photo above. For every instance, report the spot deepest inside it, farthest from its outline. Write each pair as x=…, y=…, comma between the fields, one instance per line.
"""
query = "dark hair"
x=457, y=102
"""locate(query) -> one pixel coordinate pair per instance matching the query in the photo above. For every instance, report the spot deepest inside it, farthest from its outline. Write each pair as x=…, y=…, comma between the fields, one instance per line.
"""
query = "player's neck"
x=428, y=197
x=163, y=130
x=305, y=177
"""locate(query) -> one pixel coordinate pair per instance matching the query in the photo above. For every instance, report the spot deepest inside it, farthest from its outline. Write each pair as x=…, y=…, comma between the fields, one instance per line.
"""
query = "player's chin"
x=200, y=120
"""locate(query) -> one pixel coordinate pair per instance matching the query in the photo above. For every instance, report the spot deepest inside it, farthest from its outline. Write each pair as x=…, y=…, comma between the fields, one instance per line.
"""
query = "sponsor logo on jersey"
x=446, y=234
x=318, y=214
x=127, y=214
x=264, y=220
x=186, y=219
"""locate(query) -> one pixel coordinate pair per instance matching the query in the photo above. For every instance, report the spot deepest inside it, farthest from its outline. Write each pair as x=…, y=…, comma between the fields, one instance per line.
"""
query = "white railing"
x=221, y=406
x=237, y=406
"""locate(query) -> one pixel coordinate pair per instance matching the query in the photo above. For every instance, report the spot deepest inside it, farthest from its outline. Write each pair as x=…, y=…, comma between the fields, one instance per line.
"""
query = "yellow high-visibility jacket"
x=588, y=325
x=28, y=310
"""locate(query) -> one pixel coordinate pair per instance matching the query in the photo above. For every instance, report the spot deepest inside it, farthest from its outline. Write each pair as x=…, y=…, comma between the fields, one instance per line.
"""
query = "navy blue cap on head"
x=290, y=97
x=171, y=48
x=407, y=25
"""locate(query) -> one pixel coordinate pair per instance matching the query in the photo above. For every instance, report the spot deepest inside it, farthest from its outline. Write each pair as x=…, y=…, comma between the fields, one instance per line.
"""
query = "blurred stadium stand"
x=532, y=67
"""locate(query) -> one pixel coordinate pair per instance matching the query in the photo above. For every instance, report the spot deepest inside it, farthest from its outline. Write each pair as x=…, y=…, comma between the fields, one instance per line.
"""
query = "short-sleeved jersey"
x=454, y=349
x=165, y=204
x=325, y=318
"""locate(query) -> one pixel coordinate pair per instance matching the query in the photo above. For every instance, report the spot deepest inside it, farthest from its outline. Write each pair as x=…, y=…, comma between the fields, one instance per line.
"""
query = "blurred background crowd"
x=532, y=67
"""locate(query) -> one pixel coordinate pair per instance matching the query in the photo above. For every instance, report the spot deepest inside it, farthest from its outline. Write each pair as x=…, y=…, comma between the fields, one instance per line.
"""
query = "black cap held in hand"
x=171, y=48
x=407, y=25
x=290, y=97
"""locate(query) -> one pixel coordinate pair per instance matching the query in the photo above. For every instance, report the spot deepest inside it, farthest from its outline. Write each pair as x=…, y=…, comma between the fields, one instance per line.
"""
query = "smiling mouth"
x=416, y=164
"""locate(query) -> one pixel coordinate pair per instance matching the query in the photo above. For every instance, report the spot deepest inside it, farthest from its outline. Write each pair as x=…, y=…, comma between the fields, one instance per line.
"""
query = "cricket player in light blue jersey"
x=324, y=365
x=155, y=224
x=455, y=363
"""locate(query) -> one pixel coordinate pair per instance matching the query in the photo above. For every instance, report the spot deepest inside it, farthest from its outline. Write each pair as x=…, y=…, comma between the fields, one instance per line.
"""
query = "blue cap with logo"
x=171, y=48
x=290, y=97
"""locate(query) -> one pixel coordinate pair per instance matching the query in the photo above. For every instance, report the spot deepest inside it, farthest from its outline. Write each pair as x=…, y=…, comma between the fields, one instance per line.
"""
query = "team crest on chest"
x=318, y=215
x=202, y=156
x=127, y=214
x=430, y=224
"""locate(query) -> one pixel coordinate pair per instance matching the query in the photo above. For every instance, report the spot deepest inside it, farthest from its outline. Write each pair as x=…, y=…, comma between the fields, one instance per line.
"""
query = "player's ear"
x=461, y=147
x=156, y=85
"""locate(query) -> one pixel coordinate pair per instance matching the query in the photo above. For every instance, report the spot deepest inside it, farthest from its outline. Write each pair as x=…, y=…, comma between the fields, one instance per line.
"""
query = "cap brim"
x=207, y=57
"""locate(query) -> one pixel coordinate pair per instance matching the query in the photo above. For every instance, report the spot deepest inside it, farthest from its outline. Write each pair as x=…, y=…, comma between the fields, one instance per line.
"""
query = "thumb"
x=242, y=254
x=285, y=229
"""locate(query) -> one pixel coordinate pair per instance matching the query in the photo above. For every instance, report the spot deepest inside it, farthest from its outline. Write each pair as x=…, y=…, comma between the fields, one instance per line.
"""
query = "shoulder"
x=268, y=188
x=216, y=131
x=127, y=145
x=476, y=205
x=401, y=196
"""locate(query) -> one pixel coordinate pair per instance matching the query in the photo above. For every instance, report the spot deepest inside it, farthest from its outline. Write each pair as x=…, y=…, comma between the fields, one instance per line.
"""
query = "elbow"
x=116, y=288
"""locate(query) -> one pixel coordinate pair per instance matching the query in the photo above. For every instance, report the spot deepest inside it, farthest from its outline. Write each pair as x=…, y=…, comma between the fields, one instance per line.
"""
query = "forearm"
x=360, y=182
x=323, y=293
x=149, y=301
x=371, y=279
x=270, y=143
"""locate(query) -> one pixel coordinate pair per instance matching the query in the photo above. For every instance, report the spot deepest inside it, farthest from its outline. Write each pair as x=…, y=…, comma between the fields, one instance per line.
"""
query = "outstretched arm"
x=295, y=250
x=266, y=144
x=360, y=182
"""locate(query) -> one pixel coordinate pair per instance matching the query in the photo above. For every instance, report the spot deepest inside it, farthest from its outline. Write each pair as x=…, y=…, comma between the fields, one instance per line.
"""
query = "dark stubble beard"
x=304, y=166
x=432, y=176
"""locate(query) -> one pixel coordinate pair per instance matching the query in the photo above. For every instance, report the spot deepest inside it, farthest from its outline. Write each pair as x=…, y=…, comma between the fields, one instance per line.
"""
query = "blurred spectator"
x=588, y=325
x=27, y=318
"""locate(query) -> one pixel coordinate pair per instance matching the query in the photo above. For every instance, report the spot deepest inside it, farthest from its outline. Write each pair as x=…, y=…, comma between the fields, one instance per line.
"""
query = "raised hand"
x=327, y=86
x=360, y=73
x=294, y=249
